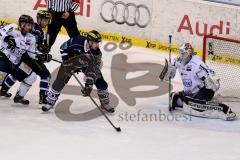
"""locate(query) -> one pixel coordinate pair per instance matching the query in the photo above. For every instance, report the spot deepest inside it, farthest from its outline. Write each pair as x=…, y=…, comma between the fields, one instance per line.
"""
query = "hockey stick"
x=164, y=71
x=56, y=60
x=169, y=85
x=118, y=129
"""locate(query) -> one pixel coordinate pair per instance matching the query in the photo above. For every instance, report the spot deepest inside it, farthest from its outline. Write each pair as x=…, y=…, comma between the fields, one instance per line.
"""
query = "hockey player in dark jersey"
x=37, y=65
x=81, y=54
x=43, y=19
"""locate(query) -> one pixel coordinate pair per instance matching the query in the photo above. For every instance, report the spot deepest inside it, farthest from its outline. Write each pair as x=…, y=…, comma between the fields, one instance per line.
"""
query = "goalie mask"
x=185, y=53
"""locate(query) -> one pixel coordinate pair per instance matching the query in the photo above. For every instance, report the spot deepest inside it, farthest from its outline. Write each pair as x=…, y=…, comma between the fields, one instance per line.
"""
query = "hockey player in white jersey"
x=37, y=65
x=14, y=42
x=200, y=84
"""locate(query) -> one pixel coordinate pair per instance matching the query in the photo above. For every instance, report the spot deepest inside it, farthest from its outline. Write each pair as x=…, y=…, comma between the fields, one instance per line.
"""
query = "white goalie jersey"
x=194, y=75
x=23, y=42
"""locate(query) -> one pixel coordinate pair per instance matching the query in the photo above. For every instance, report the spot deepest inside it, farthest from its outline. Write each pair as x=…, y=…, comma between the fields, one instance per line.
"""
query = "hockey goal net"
x=223, y=56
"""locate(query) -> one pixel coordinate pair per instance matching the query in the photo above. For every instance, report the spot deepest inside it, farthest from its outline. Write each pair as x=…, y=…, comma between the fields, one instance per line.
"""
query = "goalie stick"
x=169, y=85
x=164, y=72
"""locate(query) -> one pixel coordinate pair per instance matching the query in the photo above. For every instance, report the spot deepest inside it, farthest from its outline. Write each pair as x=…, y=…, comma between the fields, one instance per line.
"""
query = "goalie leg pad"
x=176, y=100
x=207, y=109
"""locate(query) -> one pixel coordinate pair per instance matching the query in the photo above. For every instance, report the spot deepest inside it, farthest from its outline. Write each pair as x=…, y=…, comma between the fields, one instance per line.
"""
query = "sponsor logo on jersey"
x=183, y=74
x=22, y=42
x=189, y=68
x=28, y=42
x=187, y=82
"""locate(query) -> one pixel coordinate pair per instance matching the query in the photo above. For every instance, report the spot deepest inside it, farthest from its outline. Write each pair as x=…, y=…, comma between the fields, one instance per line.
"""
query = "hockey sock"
x=8, y=83
x=26, y=84
x=52, y=96
x=44, y=86
x=103, y=96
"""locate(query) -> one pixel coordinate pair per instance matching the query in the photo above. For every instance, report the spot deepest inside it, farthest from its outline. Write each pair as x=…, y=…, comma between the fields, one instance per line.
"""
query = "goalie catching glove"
x=212, y=82
x=44, y=57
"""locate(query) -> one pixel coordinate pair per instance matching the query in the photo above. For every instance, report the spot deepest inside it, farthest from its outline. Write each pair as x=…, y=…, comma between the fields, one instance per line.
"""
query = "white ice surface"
x=28, y=134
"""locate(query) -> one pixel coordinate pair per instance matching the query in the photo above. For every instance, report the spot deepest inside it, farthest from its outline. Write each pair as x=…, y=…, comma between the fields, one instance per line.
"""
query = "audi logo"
x=125, y=13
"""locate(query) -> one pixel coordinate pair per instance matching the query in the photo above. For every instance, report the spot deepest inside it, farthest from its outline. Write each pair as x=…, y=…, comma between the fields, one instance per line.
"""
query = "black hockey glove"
x=11, y=42
x=86, y=91
x=78, y=70
x=43, y=48
x=44, y=57
x=98, y=62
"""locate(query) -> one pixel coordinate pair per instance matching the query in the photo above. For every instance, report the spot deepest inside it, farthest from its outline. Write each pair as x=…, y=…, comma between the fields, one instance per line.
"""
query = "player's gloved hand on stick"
x=43, y=48
x=10, y=41
x=78, y=70
x=86, y=91
x=98, y=62
x=44, y=57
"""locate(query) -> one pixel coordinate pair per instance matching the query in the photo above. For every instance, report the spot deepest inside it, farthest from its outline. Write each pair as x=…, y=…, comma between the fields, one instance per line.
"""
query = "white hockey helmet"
x=186, y=48
x=185, y=53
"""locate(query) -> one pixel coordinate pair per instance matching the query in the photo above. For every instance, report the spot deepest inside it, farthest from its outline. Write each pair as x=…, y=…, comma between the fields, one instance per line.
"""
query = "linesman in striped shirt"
x=62, y=12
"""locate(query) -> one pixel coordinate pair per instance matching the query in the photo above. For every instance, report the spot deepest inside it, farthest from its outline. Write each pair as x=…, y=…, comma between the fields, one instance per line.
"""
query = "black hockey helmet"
x=25, y=19
x=43, y=14
x=94, y=36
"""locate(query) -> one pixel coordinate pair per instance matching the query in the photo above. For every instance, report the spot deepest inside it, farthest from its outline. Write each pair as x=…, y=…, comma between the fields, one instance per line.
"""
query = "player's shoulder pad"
x=196, y=61
x=10, y=28
x=30, y=35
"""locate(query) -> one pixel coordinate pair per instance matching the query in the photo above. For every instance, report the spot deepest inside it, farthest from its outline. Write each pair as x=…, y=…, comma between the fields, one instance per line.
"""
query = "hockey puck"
x=118, y=129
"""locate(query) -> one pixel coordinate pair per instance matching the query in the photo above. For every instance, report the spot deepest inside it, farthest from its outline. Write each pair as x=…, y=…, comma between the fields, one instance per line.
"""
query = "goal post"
x=223, y=56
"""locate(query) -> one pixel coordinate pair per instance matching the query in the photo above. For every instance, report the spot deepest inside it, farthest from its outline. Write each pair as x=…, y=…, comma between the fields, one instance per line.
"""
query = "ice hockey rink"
x=28, y=134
